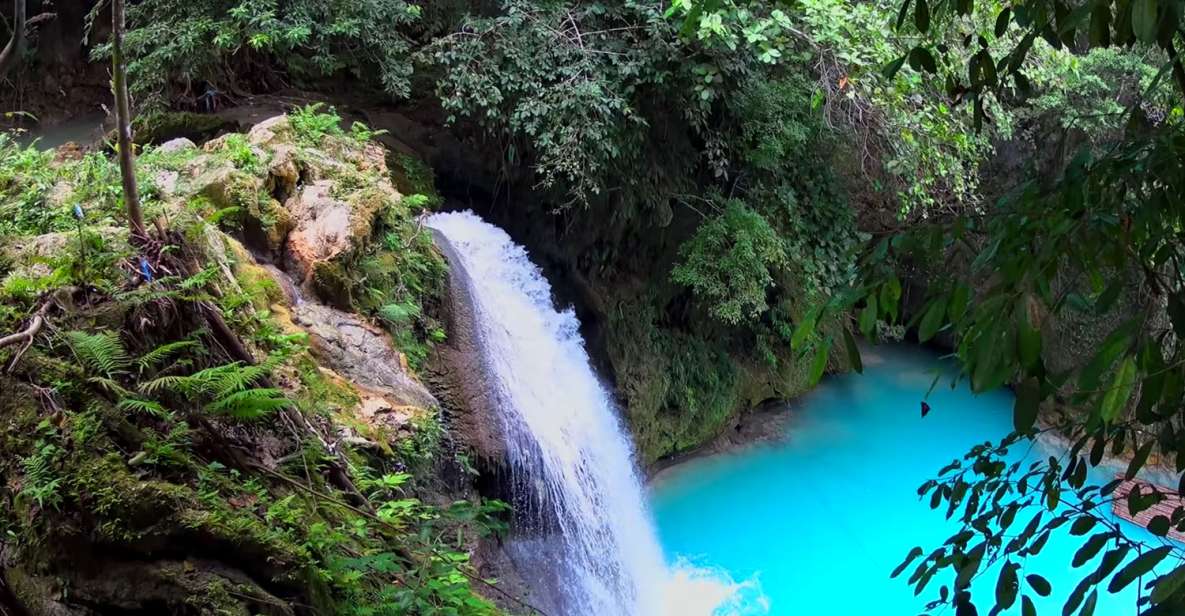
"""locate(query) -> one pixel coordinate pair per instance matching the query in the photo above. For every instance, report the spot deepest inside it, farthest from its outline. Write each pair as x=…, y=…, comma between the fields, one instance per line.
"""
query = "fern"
x=400, y=313
x=228, y=386
x=161, y=384
x=200, y=279
x=250, y=403
x=152, y=358
x=41, y=482
x=110, y=385
x=147, y=407
x=101, y=353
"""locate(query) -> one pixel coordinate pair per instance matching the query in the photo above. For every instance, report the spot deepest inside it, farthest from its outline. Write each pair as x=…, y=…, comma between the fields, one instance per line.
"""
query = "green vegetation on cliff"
x=173, y=442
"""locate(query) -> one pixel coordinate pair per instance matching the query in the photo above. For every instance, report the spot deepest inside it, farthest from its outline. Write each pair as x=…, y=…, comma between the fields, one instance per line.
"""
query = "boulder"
x=323, y=227
x=177, y=145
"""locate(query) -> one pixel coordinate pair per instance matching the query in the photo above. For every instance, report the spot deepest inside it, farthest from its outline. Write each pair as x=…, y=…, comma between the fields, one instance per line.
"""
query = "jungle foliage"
x=136, y=413
x=699, y=143
x=1104, y=228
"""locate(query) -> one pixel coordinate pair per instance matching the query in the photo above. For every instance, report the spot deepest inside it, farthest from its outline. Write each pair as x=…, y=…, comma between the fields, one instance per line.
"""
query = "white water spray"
x=570, y=457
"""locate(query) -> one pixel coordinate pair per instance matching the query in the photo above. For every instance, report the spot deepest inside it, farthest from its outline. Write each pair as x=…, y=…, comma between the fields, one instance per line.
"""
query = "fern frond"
x=171, y=383
x=111, y=385
x=250, y=403
x=210, y=381
x=147, y=407
x=231, y=381
x=101, y=353
x=200, y=279
x=162, y=352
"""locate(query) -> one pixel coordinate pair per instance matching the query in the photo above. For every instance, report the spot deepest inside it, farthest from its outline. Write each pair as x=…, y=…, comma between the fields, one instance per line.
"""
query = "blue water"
x=820, y=520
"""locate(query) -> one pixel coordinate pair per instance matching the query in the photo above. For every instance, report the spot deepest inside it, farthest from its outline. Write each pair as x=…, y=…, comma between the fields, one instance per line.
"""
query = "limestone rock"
x=177, y=145
x=271, y=130
x=457, y=374
x=168, y=183
x=362, y=354
x=323, y=227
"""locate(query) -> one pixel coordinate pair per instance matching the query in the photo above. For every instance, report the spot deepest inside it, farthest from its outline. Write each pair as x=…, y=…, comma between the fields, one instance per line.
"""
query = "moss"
x=126, y=508
x=683, y=386
x=331, y=282
x=253, y=538
x=680, y=390
x=412, y=176
x=322, y=390
x=259, y=284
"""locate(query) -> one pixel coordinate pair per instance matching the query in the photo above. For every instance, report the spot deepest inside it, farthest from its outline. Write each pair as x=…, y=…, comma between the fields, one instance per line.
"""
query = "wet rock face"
x=457, y=373
x=362, y=354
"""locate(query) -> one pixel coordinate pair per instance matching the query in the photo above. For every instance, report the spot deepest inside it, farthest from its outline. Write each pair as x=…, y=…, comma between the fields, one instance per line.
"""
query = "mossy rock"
x=332, y=284
x=157, y=128
x=412, y=176
x=126, y=508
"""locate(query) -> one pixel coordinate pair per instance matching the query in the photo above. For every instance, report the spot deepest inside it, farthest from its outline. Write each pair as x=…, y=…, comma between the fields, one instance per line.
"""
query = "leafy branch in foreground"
x=1102, y=241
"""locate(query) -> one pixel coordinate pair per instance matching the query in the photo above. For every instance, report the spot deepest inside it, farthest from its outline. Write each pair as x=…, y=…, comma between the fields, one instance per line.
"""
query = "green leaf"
x=1120, y=390
x=1159, y=525
x=913, y=554
x=1139, y=459
x=1075, y=597
x=1168, y=585
x=921, y=59
x=959, y=299
x=1089, y=605
x=1090, y=549
x=1028, y=339
x=890, y=69
x=805, y=328
x=932, y=320
x=1138, y=567
x=1028, y=401
x=1039, y=584
x=853, y=351
x=820, y=361
x=890, y=298
x=921, y=16
x=1144, y=20
x=868, y=318
x=1082, y=525
x=1002, y=21
x=1026, y=607
x=1177, y=314
x=1006, y=586
x=901, y=15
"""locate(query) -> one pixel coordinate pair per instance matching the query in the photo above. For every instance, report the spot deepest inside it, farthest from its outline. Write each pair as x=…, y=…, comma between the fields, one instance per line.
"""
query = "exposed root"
x=30, y=331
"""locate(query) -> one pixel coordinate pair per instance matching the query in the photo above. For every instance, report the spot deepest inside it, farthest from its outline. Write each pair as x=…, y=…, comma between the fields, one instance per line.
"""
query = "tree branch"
x=31, y=330
x=16, y=45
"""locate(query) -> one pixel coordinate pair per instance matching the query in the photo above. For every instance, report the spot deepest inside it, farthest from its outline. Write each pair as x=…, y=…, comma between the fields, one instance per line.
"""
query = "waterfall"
x=572, y=462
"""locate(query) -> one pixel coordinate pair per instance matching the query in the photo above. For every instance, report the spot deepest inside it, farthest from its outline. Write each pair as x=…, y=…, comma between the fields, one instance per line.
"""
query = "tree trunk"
x=16, y=45
x=123, y=121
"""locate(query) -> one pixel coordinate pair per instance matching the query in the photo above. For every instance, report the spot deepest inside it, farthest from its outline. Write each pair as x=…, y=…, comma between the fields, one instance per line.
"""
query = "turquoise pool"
x=819, y=521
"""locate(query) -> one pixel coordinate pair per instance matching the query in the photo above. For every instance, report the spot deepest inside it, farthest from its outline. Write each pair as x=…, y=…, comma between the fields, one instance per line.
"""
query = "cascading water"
x=571, y=462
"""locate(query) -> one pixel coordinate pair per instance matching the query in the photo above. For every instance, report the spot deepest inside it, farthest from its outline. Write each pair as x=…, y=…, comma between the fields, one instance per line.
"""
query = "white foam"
x=697, y=590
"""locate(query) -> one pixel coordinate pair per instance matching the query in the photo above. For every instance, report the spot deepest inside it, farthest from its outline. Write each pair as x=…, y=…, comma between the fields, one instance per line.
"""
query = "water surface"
x=820, y=520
